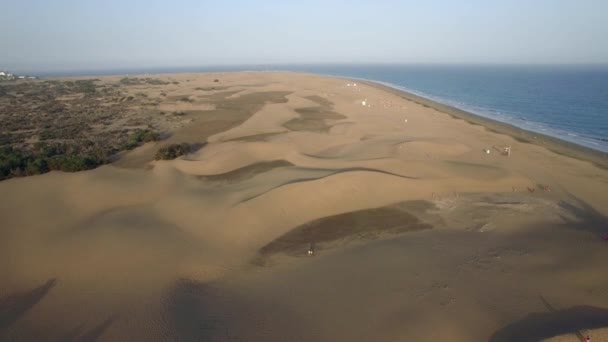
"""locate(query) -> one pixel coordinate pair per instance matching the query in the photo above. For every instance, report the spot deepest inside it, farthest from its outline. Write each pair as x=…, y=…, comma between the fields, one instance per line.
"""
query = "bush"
x=156, y=81
x=140, y=136
x=74, y=163
x=144, y=135
x=36, y=167
x=86, y=86
x=45, y=150
x=46, y=157
x=128, y=81
x=172, y=151
x=12, y=162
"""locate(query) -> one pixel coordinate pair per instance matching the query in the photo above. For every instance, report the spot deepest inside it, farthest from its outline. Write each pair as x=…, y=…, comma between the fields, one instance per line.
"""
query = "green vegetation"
x=137, y=80
x=173, y=151
x=68, y=157
x=6, y=78
x=18, y=162
x=155, y=81
x=85, y=86
x=140, y=136
x=209, y=88
x=62, y=125
x=10, y=161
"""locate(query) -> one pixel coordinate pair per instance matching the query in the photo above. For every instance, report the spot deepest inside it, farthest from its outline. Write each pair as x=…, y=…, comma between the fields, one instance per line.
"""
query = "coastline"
x=522, y=135
x=552, y=143
x=297, y=180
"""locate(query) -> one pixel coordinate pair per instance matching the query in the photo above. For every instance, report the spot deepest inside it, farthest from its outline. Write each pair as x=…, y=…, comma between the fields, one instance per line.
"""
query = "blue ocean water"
x=568, y=102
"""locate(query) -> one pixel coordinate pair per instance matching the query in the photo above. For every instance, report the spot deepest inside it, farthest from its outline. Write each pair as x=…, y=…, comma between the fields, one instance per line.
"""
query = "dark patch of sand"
x=540, y=326
x=13, y=307
x=482, y=171
x=92, y=335
x=328, y=172
x=195, y=311
x=246, y=172
x=361, y=224
x=255, y=137
x=314, y=118
x=323, y=102
x=228, y=113
x=212, y=88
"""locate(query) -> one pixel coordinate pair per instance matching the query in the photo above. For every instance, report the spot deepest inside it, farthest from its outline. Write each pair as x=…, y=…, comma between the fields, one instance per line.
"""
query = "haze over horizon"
x=69, y=35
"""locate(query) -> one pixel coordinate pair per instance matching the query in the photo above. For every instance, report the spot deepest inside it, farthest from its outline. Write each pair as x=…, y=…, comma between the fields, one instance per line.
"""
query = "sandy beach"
x=421, y=226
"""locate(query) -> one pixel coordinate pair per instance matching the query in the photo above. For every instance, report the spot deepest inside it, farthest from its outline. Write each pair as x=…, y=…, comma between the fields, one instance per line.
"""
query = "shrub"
x=36, y=167
x=129, y=81
x=12, y=162
x=140, y=136
x=74, y=163
x=45, y=150
x=172, y=151
x=156, y=81
x=144, y=135
x=86, y=86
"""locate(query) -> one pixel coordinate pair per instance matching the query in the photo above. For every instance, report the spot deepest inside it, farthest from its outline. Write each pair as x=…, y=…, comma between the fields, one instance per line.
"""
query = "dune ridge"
x=418, y=232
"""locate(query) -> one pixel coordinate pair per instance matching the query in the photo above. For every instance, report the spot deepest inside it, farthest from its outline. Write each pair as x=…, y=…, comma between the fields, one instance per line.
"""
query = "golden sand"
x=418, y=233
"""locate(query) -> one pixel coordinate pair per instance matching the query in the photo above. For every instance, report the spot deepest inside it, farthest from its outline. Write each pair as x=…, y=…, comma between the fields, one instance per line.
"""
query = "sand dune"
x=418, y=234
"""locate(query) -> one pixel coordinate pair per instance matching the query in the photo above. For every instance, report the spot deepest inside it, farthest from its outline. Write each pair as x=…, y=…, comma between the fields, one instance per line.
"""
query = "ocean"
x=567, y=102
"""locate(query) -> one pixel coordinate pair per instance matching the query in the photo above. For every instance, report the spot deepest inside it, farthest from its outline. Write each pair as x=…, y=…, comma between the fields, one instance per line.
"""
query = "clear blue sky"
x=58, y=35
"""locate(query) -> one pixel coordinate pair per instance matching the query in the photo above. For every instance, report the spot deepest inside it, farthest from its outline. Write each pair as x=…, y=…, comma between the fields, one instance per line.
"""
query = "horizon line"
x=240, y=66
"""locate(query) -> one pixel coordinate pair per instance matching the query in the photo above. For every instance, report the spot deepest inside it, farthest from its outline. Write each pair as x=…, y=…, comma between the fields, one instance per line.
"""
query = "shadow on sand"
x=539, y=326
x=92, y=335
x=585, y=216
x=16, y=305
x=197, y=311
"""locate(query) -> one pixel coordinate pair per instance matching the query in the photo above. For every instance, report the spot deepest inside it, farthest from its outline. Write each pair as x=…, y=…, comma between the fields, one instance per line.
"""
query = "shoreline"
x=298, y=180
x=522, y=135
x=554, y=144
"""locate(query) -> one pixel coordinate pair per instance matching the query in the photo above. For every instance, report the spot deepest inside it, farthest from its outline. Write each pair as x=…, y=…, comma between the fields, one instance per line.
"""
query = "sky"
x=68, y=35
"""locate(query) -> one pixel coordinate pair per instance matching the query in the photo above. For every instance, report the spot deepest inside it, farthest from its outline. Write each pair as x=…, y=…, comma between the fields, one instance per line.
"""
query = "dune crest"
x=414, y=231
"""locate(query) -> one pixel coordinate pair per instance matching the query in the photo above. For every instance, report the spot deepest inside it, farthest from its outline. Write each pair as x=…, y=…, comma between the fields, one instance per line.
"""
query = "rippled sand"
x=417, y=232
